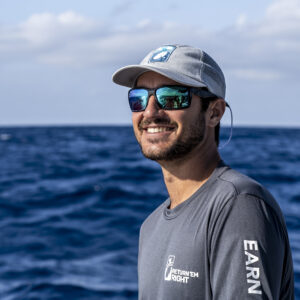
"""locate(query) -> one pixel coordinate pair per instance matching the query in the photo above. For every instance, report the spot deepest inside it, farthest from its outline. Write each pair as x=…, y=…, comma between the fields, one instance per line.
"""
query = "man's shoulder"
x=243, y=186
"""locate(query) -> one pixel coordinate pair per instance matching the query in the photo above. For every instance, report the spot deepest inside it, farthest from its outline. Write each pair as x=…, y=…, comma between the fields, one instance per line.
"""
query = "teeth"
x=157, y=129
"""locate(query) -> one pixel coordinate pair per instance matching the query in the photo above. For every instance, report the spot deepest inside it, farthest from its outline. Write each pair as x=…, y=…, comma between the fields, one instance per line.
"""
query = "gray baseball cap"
x=184, y=64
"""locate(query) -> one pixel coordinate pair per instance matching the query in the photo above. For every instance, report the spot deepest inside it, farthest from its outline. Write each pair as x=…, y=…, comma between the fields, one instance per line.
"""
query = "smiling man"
x=220, y=234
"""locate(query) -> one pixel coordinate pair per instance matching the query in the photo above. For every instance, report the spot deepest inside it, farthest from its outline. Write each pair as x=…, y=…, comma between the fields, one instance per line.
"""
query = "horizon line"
x=130, y=125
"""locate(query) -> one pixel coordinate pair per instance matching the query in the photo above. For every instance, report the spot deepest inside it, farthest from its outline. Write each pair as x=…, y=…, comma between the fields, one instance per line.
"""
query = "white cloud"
x=282, y=20
x=45, y=29
x=283, y=10
x=241, y=20
x=144, y=23
x=268, y=50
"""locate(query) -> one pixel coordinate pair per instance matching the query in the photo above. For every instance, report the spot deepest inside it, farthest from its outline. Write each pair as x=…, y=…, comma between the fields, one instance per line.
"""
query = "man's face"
x=167, y=134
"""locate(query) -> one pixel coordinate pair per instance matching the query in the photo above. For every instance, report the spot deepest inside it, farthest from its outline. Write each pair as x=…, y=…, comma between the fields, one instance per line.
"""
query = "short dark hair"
x=204, y=105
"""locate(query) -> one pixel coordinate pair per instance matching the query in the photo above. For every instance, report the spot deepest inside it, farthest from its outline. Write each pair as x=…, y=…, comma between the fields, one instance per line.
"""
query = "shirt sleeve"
x=249, y=252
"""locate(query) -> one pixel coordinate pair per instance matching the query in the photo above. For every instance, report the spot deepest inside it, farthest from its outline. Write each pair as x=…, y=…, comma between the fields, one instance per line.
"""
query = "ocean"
x=72, y=200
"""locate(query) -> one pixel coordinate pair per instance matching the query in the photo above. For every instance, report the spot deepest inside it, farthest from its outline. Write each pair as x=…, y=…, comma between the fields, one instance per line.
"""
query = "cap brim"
x=127, y=76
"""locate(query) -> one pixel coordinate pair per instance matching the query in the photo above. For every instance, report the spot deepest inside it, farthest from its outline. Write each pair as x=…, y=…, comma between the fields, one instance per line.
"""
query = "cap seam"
x=202, y=65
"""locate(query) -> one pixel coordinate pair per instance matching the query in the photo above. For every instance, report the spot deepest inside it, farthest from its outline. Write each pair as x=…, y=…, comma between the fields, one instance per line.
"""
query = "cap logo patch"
x=162, y=54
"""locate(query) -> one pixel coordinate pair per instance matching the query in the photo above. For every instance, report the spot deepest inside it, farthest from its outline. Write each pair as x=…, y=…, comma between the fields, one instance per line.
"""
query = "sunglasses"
x=168, y=97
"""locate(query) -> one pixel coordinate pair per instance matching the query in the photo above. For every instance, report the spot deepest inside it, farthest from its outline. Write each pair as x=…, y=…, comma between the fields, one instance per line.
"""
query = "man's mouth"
x=158, y=129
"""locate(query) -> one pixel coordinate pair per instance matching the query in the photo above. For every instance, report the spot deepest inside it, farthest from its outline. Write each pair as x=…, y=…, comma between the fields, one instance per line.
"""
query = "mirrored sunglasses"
x=170, y=97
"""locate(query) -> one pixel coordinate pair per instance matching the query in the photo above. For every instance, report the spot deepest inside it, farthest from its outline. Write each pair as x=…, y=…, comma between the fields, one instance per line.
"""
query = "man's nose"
x=152, y=108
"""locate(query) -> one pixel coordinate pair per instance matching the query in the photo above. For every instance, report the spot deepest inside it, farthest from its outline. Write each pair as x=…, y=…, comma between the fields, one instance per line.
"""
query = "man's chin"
x=179, y=150
x=166, y=154
x=154, y=153
x=157, y=156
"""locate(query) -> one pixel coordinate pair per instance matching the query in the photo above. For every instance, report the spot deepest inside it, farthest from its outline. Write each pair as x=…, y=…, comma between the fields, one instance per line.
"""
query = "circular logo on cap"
x=162, y=54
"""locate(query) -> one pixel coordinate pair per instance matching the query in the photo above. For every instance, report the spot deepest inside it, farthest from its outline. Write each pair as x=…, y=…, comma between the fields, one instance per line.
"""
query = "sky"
x=57, y=57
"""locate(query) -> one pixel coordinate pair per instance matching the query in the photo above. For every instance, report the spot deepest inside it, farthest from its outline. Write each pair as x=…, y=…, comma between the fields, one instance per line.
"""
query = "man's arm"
x=250, y=254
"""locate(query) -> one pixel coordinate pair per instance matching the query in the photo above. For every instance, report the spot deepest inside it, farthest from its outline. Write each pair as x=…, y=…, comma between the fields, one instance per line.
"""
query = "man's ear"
x=216, y=110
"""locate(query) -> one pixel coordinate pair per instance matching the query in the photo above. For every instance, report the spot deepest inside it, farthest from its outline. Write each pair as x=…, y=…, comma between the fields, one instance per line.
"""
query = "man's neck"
x=184, y=177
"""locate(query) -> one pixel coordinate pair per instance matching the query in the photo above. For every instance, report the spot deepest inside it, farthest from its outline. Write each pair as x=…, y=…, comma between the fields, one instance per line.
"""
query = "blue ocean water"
x=72, y=200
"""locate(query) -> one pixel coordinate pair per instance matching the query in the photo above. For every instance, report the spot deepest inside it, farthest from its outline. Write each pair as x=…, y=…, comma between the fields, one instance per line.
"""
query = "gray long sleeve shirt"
x=227, y=241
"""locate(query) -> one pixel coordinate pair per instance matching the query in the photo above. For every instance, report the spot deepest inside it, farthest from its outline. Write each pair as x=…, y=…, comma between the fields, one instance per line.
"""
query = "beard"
x=189, y=139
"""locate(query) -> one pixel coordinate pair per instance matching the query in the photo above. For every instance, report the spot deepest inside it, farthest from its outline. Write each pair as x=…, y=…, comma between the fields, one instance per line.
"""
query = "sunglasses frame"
x=201, y=92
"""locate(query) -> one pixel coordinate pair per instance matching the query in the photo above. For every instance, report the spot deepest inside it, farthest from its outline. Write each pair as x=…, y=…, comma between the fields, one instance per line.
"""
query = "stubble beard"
x=190, y=138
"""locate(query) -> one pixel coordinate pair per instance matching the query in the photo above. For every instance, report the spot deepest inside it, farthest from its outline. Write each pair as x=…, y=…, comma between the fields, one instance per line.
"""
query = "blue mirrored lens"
x=138, y=99
x=173, y=97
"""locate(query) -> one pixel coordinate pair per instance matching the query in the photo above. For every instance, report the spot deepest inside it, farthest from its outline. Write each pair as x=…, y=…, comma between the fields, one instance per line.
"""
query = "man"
x=220, y=234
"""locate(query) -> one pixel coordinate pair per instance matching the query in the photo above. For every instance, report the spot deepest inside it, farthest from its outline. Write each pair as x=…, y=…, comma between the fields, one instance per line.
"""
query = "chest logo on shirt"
x=177, y=275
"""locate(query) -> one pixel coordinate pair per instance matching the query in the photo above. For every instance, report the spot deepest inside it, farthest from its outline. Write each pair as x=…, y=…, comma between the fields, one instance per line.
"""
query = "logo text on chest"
x=177, y=275
x=253, y=276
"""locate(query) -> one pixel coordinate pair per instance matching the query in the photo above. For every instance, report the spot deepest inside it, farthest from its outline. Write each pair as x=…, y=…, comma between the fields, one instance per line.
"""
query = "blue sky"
x=57, y=57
